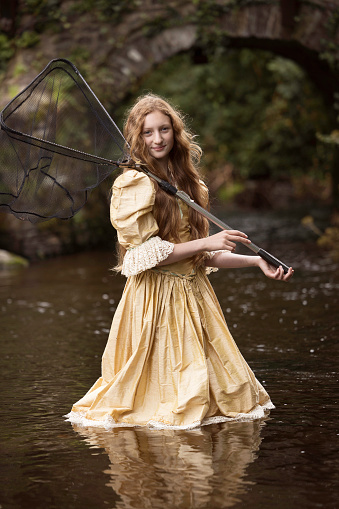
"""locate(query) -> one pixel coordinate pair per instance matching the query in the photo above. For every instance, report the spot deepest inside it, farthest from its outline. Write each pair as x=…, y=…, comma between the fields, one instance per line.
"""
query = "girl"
x=170, y=360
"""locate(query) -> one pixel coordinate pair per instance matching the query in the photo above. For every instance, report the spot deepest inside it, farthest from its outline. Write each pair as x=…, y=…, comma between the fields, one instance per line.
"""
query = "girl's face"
x=158, y=135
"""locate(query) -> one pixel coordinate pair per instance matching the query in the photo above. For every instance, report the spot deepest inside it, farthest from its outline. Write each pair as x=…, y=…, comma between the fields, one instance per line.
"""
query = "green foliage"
x=330, y=238
x=106, y=10
x=329, y=139
x=211, y=8
x=82, y=56
x=333, y=23
x=28, y=39
x=6, y=51
x=156, y=25
x=57, y=15
x=254, y=110
x=46, y=13
x=19, y=69
x=330, y=46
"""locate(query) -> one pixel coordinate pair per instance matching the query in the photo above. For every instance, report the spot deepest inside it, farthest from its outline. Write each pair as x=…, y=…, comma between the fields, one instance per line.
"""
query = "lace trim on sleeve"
x=209, y=270
x=146, y=256
x=210, y=255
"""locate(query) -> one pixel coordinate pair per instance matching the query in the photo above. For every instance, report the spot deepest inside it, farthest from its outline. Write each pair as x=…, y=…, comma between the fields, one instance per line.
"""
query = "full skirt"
x=170, y=360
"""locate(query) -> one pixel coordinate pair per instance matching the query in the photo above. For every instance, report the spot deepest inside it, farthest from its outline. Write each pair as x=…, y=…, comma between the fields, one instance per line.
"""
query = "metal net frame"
x=39, y=177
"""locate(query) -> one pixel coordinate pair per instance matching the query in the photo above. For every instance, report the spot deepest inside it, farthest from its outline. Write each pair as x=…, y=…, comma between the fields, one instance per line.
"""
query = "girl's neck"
x=166, y=169
x=164, y=164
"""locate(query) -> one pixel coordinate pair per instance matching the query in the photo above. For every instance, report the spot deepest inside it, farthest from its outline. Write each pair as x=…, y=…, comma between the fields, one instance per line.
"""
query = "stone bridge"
x=118, y=52
x=304, y=31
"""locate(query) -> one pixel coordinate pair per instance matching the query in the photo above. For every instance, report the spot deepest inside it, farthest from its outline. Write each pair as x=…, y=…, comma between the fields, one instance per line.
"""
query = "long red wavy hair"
x=183, y=165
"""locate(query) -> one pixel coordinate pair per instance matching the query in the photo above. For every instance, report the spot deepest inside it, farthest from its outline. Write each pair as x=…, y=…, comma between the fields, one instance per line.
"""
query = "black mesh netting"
x=40, y=175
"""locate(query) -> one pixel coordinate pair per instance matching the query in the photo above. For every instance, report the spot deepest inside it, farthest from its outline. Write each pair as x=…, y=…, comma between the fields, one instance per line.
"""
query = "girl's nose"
x=157, y=137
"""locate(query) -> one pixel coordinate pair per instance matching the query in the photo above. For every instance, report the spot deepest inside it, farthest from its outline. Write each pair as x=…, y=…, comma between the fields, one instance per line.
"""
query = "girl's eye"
x=147, y=133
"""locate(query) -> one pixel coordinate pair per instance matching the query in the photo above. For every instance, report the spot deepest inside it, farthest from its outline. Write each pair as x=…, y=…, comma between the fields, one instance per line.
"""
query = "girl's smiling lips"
x=159, y=148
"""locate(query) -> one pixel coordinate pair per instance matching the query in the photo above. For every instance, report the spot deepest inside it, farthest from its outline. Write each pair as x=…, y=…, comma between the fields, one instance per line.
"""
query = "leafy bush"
x=28, y=39
x=252, y=109
x=6, y=51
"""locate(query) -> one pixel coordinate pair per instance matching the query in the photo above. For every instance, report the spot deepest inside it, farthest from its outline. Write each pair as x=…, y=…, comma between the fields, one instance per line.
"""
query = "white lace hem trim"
x=146, y=256
x=108, y=422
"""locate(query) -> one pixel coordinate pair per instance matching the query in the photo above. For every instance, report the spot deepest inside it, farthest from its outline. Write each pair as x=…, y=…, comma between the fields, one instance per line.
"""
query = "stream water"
x=55, y=317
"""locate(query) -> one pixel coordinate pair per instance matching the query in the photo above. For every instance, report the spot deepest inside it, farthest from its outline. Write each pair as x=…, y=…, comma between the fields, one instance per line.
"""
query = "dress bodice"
x=185, y=266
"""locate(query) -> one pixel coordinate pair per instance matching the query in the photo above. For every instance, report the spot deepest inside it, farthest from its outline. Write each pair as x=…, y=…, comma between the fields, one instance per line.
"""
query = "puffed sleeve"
x=131, y=214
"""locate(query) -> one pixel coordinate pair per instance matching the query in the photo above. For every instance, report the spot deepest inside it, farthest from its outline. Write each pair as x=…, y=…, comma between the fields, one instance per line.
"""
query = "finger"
x=271, y=273
x=237, y=238
x=237, y=233
x=230, y=246
x=245, y=241
x=289, y=274
x=279, y=273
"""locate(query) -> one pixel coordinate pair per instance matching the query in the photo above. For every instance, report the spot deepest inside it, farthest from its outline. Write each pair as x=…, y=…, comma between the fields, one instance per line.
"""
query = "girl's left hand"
x=274, y=273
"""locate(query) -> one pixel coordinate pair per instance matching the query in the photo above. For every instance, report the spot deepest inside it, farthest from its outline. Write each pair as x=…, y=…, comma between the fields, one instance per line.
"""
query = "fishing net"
x=41, y=177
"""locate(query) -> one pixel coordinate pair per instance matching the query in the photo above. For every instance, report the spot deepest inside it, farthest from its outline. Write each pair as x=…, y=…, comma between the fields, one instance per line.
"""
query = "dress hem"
x=259, y=412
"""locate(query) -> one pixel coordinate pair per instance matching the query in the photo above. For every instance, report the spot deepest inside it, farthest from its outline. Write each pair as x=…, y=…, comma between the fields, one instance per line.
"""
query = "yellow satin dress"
x=170, y=359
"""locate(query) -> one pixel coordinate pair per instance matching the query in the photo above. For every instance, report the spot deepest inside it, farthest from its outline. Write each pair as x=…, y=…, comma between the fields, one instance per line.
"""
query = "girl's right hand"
x=226, y=240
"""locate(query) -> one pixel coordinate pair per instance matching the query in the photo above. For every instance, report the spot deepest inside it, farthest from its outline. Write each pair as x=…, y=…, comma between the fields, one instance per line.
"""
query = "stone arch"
x=305, y=32
x=152, y=31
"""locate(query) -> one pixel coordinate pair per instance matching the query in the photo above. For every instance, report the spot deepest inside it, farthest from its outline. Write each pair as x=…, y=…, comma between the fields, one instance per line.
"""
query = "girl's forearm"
x=185, y=250
x=227, y=260
x=224, y=259
x=224, y=240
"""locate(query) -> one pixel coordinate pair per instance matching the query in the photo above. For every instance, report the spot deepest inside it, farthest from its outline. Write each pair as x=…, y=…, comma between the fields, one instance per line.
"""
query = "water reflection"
x=199, y=468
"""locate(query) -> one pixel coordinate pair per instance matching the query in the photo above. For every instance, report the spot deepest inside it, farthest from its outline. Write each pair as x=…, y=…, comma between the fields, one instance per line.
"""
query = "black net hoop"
x=41, y=177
